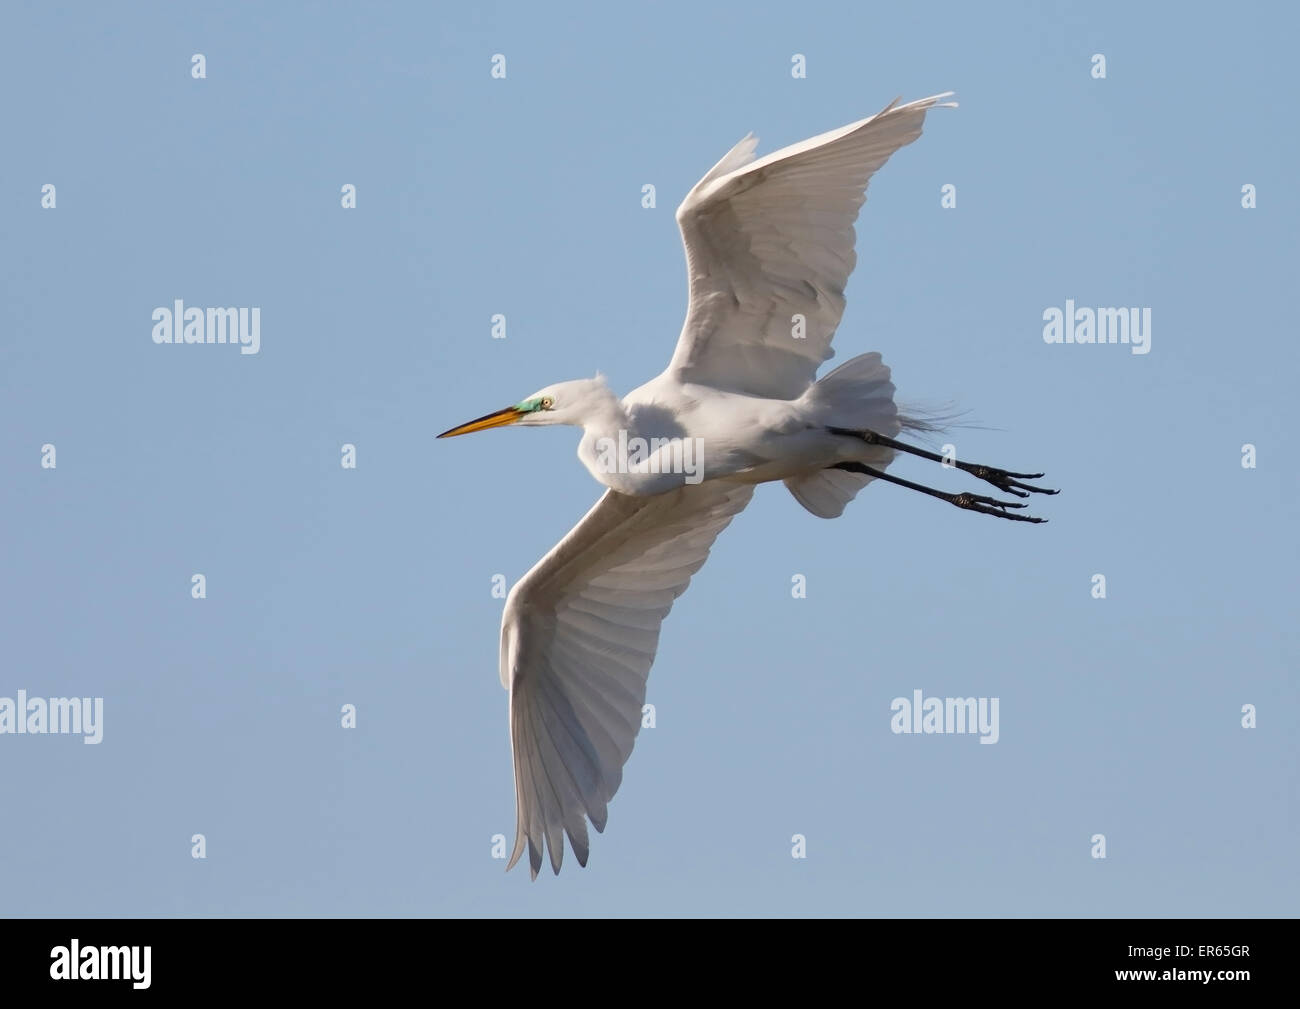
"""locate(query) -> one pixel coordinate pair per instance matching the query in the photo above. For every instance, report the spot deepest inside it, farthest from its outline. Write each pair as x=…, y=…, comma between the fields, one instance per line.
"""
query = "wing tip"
x=919, y=105
x=936, y=101
x=581, y=851
x=522, y=840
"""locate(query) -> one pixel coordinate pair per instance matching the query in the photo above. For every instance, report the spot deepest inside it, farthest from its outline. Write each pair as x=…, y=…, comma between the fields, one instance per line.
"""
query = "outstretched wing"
x=772, y=239
x=578, y=635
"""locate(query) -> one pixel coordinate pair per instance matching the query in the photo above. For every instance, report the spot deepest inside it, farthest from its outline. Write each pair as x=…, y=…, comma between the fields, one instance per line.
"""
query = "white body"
x=746, y=439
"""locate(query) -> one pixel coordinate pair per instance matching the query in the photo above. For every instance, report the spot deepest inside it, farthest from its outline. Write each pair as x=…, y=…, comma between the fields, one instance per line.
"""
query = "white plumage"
x=578, y=635
x=773, y=238
x=769, y=249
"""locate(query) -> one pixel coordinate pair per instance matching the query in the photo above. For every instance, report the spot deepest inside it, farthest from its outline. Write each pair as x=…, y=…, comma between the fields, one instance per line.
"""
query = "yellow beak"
x=499, y=419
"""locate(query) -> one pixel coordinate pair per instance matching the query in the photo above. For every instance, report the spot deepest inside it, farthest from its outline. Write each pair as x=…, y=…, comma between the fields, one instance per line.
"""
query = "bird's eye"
x=547, y=402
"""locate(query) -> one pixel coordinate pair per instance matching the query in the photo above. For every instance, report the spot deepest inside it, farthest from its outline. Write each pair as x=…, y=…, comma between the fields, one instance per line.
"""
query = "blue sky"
x=522, y=196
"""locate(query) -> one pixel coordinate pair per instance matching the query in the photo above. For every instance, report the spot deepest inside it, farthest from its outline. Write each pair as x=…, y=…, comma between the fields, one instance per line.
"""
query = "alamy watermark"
x=945, y=715
x=83, y=716
x=1100, y=325
x=75, y=962
x=634, y=454
x=179, y=324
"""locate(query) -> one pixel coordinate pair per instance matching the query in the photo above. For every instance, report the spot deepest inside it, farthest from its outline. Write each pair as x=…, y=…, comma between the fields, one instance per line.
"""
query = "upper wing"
x=771, y=239
x=578, y=636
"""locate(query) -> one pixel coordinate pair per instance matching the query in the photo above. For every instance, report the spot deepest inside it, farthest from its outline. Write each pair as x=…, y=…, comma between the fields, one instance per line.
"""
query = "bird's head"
x=573, y=402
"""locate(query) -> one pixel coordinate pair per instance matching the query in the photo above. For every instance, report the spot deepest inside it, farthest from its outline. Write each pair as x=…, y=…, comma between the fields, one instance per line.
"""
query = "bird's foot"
x=1005, y=481
x=990, y=506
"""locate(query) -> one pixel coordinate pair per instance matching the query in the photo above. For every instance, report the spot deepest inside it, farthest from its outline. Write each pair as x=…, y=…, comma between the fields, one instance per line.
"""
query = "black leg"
x=1003, y=480
x=971, y=502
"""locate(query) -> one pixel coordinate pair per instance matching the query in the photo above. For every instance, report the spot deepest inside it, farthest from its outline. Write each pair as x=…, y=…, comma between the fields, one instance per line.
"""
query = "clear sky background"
x=522, y=196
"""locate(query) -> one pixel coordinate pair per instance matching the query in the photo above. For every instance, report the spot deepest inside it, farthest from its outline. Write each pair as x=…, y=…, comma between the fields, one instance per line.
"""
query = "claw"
x=1006, y=481
x=964, y=499
x=991, y=506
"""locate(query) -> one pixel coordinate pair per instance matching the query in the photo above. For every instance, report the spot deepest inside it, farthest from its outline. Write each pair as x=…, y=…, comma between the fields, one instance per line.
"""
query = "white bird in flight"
x=769, y=248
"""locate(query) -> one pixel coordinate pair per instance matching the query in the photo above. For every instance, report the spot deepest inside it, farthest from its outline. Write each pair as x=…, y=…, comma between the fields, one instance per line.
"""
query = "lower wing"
x=578, y=636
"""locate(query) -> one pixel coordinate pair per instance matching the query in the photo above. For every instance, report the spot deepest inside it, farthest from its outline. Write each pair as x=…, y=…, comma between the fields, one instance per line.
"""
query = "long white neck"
x=606, y=423
x=605, y=415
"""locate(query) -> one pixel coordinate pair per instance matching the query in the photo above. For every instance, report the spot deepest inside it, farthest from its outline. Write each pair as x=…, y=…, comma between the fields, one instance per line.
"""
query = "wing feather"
x=772, y=239
x=578, y=636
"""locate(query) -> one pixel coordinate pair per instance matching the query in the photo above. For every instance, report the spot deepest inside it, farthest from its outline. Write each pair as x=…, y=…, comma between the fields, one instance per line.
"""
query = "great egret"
x=769, y=248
